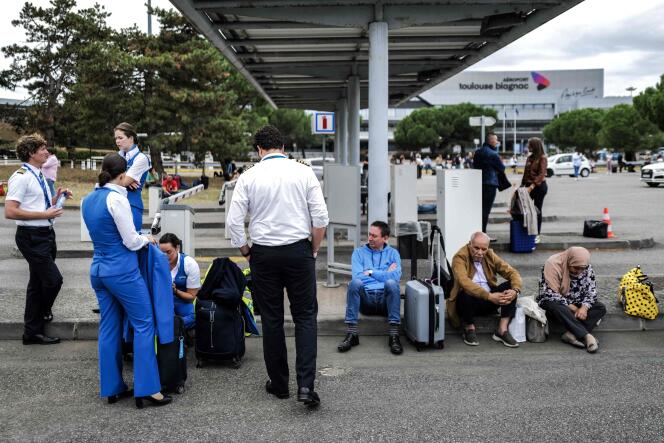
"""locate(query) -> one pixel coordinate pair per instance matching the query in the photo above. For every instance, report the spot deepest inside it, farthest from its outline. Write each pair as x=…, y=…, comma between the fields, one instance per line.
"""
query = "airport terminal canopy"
x=300, y=53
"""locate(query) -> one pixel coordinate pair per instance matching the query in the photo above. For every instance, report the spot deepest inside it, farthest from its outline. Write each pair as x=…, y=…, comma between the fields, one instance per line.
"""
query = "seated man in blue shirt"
x=374, y=289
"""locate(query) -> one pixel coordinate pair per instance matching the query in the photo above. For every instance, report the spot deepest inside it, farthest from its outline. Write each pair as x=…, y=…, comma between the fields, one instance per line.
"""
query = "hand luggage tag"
x=181, y=354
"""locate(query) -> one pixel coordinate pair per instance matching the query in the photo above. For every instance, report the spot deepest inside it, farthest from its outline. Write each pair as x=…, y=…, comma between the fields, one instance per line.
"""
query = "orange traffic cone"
x=607, y=219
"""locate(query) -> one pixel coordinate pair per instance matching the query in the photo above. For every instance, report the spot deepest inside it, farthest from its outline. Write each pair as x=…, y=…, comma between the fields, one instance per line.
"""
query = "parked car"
x=316, y=164
x=561, y=164
x=653, y=174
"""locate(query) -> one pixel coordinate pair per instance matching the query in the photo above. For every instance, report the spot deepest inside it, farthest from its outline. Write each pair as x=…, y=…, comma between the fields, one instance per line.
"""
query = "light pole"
x=631, y=90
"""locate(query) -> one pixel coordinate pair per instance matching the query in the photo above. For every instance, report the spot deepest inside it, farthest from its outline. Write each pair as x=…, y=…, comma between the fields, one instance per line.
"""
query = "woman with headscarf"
x=568, y=293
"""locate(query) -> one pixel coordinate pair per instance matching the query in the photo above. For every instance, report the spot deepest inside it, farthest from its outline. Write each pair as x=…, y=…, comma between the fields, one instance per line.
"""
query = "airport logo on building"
x=541, y=81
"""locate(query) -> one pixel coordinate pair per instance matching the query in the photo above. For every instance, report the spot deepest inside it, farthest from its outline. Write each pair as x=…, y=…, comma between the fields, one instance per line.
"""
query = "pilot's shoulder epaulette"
x=21, y=170
x=302, y=161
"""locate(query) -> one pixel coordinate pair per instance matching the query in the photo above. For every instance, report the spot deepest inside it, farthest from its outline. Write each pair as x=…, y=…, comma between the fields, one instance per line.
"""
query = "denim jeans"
x=386, y=302
x=576, y=170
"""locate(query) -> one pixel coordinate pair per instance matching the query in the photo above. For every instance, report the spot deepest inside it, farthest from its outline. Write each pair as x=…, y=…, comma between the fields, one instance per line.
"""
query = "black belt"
x=35, y=228
x=281, y=246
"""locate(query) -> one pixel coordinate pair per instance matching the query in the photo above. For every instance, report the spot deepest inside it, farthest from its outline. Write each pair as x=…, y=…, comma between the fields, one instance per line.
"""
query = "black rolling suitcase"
x=172, y=360
x=219, y=333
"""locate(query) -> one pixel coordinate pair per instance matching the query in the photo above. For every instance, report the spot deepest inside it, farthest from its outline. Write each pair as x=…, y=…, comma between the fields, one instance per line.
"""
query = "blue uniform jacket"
x=365, y=258
x=154, y=267
x=488, y=160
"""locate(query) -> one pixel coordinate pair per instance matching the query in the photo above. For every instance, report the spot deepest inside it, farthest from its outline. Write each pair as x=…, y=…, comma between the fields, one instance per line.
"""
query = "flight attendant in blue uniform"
x=186, y=278
x=138, y=165
x=120, y=288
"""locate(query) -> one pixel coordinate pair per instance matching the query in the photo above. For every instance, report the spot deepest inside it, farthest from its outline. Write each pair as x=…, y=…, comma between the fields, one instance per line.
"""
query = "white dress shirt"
x=479, y=276
x=191, y=269
x=140, y=165
x=24, y=188
x=283, y=199
x=118, y=206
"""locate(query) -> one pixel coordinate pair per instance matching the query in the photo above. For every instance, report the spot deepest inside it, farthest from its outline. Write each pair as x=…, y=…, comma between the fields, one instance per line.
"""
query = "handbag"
x=441, y=274
x=536, y=331
x=595, y=229
x=503, y=182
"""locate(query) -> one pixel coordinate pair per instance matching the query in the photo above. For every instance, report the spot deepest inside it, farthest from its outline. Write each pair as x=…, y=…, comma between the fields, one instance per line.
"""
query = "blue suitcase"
x=520, y=241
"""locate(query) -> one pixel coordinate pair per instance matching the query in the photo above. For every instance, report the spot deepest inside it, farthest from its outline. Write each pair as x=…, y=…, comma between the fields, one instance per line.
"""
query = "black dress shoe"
x=140, y=401
x=271, y=390
x=48, y=316
x=308, y=396
x=124, y=394
x=395, y=344
x=348, y=342
x=39, y=339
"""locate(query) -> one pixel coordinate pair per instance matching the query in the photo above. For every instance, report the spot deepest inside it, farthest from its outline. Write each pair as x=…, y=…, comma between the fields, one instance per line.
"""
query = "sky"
x=625, y=38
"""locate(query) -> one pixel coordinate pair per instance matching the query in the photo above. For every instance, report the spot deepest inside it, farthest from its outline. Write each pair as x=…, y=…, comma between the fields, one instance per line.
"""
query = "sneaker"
x=538, y=239
x=506, y=339
x=470, y=338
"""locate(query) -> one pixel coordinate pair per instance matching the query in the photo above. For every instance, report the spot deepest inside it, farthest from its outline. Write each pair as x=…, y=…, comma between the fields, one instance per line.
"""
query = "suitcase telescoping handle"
x=436, y=237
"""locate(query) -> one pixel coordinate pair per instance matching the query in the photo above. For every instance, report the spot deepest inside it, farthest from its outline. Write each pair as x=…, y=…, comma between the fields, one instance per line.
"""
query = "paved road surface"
x=539, y=392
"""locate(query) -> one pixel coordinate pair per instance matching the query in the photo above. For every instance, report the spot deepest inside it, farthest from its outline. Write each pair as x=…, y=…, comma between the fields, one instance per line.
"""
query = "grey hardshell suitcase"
x=424, y=314
x=424, y=307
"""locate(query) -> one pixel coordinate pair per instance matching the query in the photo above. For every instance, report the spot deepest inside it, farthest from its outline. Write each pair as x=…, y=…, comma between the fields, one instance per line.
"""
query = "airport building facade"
x=527, y=100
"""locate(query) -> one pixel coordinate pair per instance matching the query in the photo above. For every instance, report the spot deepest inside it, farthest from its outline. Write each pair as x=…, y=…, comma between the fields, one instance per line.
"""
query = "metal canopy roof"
x=300, y=53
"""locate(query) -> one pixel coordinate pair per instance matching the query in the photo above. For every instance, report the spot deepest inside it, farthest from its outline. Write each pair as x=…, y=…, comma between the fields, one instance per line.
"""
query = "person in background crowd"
x=50, y=169
x=621, y=163
x=568, y=293
x=186, y=278
x=476, y=290
x=169, y=185
x=609, y=162
x=120, y=288
x=30, y=202
x=534, y=177
x=286, y=208
x=153, y=178
x=577, y=160
x=513, y=163
x=138, y=165
x=487, y=159
x=374, y=290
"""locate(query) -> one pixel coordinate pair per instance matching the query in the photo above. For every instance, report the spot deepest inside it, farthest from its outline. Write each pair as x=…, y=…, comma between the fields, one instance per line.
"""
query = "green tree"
x=650, y=104
x=45, y=65
x=295, y=126
x=455, y=128
x=419, y=129
x=575, y=129
x=625, y=129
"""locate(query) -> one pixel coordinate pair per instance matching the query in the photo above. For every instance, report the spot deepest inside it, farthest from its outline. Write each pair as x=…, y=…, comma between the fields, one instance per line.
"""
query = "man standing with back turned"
x=285, y=204
x=487, y=159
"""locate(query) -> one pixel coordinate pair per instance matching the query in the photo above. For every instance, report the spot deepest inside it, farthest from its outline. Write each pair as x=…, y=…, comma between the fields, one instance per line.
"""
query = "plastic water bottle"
x=61, y=201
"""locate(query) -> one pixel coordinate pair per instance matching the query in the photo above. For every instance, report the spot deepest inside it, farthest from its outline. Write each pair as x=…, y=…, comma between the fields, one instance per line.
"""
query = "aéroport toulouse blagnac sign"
x=535, y=81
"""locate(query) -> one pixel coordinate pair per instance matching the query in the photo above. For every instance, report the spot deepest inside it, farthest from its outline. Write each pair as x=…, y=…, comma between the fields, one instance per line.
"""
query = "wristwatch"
x=370, y=272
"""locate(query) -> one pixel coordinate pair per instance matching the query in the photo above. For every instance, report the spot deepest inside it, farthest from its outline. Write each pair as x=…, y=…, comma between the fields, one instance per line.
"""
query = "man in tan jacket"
x=476, y=290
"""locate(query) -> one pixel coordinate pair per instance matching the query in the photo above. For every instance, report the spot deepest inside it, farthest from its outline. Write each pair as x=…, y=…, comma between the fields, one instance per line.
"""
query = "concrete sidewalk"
x=74, y=319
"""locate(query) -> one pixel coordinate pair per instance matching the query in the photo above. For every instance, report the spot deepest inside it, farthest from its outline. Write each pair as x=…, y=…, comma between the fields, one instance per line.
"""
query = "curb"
x=88, y=329
x=499, y=246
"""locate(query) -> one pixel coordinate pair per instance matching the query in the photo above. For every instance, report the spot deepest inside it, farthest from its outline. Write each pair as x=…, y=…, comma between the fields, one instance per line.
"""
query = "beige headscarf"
x=556, y=268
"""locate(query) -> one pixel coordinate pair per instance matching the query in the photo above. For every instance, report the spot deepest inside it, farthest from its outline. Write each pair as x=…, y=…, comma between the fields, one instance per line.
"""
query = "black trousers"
x=537, y=194
x=468, y=306
x=561, y=313
x=293, y=267
x=488, y=197
x=37, y=244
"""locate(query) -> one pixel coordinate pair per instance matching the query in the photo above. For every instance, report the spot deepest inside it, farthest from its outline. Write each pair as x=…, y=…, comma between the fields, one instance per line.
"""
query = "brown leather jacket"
x=464, y=271
x=535, y=171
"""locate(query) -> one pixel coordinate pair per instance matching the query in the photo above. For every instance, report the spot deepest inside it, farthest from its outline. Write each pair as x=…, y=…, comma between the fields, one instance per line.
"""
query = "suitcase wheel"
x=236, y=363
x=440, y=344
x=179, y=389
x=418, y=347
x=199, y=363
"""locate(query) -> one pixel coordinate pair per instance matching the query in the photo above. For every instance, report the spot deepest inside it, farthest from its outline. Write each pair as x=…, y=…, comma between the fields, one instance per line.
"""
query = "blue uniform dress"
x=134, y=195
x=183, y=308
x=120, y=289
